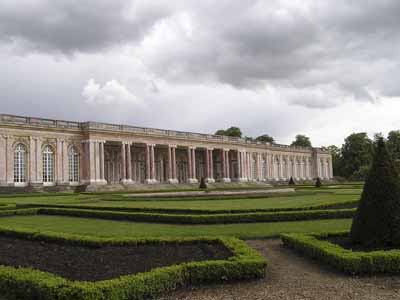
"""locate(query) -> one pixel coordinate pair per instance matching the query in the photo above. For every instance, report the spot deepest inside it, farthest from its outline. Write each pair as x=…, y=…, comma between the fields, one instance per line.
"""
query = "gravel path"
x=293, y=277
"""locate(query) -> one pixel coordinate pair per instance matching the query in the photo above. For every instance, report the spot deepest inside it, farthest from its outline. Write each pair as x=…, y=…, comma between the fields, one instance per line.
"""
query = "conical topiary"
x=291, y=181
x=318, y=182
x=377, y=220
x=203, y=184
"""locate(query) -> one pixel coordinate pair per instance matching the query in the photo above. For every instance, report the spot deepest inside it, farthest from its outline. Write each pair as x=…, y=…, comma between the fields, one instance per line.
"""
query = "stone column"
x=193, y=149
x=3, y=161
x=228, y=166
x=101, y=156
x=169, y=164
x=58, y=160
x=9, y=160
x=209, y=166
x=127, y=156
x=239, y=165
x=153, y=164
x=225, y=165
x=123, y=162
x=192, y=165
x=148, y=165
x=330, y=169
x=174, y=175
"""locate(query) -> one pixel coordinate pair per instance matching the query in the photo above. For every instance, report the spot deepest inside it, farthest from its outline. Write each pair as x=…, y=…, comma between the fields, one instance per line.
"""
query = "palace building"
x=44, y=152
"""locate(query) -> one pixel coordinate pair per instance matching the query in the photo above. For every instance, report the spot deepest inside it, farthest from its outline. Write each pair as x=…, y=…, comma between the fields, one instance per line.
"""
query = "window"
x=20, y=164
x=73, y=162
x=48, y=165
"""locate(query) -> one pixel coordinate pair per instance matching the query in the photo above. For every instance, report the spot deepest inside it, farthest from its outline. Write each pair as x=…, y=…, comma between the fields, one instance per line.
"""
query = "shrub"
x=203, y=184
x=317, y=247
x=291, y=181
x=377, y=220
x=203, y=219
x=318, y=182
x=26, y=284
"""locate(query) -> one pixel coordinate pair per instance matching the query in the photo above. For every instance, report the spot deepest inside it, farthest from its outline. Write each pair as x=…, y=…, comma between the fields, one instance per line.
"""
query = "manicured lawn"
x=249, y=203
x=107, y=228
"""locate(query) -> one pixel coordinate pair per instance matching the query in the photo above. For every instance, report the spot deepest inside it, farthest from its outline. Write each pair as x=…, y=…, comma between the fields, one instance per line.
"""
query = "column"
x=193, y=149
x=192, y=165
x=101, y=157
x=153, y=164
x=189, y=164
x=59, y=165
x=239, y=164
x=225, y=165
x=228, y=166
x=169, y=164
x=174, y=177
x=3, y=160
x=148, y=166
x=128, y=162
x=123, y=162
x=209, y=166
x=330, y=169
x=9, y=160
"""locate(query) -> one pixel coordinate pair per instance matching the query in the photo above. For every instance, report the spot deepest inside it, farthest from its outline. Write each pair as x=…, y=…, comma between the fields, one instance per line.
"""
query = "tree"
x=203, y=184
x=265, y=138
x=393, y=143
x=231, y=131
x=318, y=182
x=301, y=141
x=357, y=153
x=377, y=220
x=337, y=161
x=291, y=181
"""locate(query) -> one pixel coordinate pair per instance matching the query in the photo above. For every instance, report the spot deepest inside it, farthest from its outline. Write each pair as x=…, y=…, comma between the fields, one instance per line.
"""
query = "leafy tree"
x=377, y=220
x=301, y=141
x=337, y=161
x=265, y=138
x=393, y=143
x=356, y=154
x=231, y=131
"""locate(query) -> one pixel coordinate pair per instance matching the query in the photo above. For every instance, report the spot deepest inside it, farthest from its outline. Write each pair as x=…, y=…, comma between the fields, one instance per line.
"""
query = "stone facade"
x=35, y=151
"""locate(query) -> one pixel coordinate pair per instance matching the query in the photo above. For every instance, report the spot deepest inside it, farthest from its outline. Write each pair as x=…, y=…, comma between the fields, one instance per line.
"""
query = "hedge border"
x=202, y=219
x=27, y=284
x=328, y=205
x=187, y=219
x=351, y=262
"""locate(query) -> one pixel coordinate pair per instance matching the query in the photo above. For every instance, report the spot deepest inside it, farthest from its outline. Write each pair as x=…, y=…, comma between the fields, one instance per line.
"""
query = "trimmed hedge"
x=7, y=206
x=19, y=212
x=202, y=219
x=353, y=262
x=323, y=206
x=27, y=284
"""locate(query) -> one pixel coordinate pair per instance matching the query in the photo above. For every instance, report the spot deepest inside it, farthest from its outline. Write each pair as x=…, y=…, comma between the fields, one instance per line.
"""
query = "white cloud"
x=112, y=92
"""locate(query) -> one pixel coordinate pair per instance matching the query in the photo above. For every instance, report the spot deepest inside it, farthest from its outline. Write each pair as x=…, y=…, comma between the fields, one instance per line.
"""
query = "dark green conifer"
x=377, y=220
x=318, y=182
x=203, y=184
x=291, y=181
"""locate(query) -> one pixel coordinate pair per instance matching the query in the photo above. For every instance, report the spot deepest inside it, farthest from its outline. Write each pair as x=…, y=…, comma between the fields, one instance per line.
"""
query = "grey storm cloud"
x=276, y=57
x=69, y=26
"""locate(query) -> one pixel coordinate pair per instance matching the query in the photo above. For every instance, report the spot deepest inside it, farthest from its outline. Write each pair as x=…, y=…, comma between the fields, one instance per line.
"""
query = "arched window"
x=48, y=164
x=73, y=162
x=20, y=164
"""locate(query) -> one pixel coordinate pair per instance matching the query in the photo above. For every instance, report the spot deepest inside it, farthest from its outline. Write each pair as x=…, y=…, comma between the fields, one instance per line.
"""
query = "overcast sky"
x=282, y=67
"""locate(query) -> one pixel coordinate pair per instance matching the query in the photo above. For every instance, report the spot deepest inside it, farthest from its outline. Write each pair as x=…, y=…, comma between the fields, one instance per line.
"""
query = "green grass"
x=107, y=228
x=249, y=203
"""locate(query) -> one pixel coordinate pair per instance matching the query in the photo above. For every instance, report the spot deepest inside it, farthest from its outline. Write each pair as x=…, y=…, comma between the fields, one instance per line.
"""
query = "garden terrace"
x=328, y=248
x=193, y=261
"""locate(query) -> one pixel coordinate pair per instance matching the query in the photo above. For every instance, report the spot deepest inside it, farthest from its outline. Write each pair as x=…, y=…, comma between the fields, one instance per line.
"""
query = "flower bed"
x=318, y=246
x=26, y=283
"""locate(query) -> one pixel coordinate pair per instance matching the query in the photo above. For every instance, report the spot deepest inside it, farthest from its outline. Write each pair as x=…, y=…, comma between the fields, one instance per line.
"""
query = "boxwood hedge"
x=27, y=284
x=353, y=262
x=202, y=219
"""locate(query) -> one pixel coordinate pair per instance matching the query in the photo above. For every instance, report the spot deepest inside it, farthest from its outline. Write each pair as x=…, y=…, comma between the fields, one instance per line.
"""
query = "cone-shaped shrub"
x=203, y=184
x=377, y=221
x=318, y=182
x=291, y=181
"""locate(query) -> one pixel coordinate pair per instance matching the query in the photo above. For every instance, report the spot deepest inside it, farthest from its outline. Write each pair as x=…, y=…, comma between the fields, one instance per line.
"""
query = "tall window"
x=20, y=164
x=73, y=162
x=48, y=164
